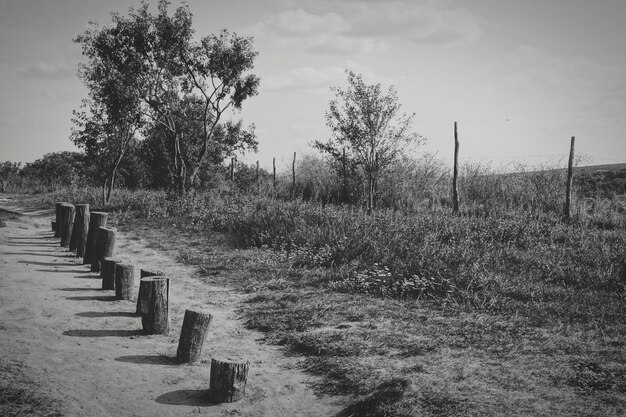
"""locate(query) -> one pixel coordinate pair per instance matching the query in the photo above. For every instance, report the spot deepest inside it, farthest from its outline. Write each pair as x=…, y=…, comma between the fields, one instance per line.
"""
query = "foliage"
x=366, y=122
x=8, y=171
x=179, y=87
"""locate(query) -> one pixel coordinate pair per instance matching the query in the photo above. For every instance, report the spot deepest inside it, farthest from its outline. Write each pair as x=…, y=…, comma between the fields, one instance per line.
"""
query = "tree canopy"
x=369, y=131
x=147, y=71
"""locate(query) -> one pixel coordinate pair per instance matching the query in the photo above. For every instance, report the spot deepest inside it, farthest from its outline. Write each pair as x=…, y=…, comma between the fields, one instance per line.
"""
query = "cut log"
x=107, y=272
x=228, y=381
x=57, y=230
x=124, y=281
x=192, y=336
x=96, y=219
x=143, y=288
x=105, y=243
x=79, y=230
x=67, y=222
x=156, y=316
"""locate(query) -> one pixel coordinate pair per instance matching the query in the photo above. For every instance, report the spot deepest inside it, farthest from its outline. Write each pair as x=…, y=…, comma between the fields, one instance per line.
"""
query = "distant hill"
x=606, y=167
x=601, y=180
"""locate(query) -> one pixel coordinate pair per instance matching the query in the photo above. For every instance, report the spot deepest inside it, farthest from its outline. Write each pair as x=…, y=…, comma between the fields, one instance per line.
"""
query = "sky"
x=519, y=77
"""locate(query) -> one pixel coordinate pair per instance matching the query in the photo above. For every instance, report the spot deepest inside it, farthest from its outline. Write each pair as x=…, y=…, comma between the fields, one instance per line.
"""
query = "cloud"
x=590, y=93
x=352, y=28
x=308, y=79
x=44, y=70
x=319, y=80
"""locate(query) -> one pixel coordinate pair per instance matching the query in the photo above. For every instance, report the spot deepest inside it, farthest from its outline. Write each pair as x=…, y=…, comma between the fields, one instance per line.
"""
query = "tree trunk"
x=79, y=231
x=105, y=243
x=110, y=183
x=104, y=186
x=67, y=222
x=107, y=272
x=156, y=318
x=142, y=295
x=228, y=381
x=192, y=336
x=57, y=230
x=96, y=219
x=124, y=281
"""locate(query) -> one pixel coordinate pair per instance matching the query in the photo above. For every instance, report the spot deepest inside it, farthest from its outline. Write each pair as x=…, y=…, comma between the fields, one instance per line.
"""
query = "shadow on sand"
x=96, y=314
x=193, y=397
x=149, y=359
x=102, y=333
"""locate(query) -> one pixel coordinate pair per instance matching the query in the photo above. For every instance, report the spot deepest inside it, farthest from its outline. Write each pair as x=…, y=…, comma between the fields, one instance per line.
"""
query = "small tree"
x=367, y=123
x=8, y=170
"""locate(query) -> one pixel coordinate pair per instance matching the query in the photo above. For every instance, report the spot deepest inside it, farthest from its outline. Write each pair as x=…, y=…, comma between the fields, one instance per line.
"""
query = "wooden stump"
x=67, y=222
x=79, y=231
x=192, y=336
x=105, y=242
x=156, y=316
x=228, y=381
x=107, y=272
x=96, y=219
x=124, y=281
x=143, y=288
x=57, y=222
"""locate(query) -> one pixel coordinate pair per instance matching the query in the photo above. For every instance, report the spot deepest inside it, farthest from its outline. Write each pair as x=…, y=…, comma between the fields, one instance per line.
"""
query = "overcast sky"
x=520, y=77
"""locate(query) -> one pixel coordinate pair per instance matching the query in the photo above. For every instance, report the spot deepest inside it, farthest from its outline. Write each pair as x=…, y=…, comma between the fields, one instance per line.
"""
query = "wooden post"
x=567, y=209
x=293, y=172
x=344, y=186
x=143, y=289
x=257, y=175
x=192, y=336
x=79, y=230
x=107, y=272
x=274, y=172
x=105, y=243
x=67, y=222
x=97, y=219
x=57, y=230
x=124, y=281
x=156, y=318
x=455, y=172
x=228, y=381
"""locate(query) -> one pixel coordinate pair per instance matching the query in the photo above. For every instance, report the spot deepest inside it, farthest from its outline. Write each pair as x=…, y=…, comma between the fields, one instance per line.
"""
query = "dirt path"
x=88, y=351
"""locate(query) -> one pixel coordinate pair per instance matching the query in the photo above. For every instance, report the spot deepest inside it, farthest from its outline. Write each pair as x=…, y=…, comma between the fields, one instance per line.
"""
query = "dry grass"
x=509, y=314
x=19, y=396
x=399, y=357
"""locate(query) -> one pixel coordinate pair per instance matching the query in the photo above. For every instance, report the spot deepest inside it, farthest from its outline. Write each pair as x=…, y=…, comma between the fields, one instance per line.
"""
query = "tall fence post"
x=344, y=185
x=293, y=171
x=567, y=209
x=455, y=172
x=274, y=172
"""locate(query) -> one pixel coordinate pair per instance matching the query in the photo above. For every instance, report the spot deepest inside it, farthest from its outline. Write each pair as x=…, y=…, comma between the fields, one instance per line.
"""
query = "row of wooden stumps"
x=88, y=235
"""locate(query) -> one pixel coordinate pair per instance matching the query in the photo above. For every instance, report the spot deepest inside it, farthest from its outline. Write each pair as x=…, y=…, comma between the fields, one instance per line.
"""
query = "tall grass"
x=498, y=254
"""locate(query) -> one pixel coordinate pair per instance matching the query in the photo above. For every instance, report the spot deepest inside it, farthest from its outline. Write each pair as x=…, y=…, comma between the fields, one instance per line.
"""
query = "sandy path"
x=88, y=350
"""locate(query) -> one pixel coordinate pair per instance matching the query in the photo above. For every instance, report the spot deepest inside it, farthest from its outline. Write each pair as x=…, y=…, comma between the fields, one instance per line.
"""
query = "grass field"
x=436, y=314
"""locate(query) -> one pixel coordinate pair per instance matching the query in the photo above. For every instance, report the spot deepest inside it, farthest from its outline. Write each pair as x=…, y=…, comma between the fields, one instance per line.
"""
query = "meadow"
x=501, y=309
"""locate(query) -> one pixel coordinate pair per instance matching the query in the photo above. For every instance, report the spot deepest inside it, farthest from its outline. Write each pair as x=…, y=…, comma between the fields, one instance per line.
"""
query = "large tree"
x=369, y=131
x=109, y=119
x=182, y=84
